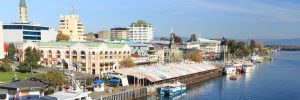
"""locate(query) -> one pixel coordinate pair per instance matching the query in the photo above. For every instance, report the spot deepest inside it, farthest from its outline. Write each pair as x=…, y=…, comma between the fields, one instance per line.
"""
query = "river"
x=276, y=80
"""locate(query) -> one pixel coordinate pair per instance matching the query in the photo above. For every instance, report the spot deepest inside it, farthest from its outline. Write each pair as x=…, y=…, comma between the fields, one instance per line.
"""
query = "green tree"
x=252, y=45
x=127, y=63
x=53, y=77
x=62, y=37
x=5, y=65
x=194, y=56
x=232, y=46
x=193, y=38
x=32, y=57
x=11, y=52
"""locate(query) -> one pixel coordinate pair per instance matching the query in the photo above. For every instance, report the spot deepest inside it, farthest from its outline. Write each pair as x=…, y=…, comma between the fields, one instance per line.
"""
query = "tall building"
x=23, y=14
x=70, y=25
x=141, y=31
x=119, y=33
x=26, y=31
x=1, y=42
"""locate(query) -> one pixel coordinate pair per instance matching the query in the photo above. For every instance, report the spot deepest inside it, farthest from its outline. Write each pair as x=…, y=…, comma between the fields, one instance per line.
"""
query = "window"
x=31, y=33
x=31, y=38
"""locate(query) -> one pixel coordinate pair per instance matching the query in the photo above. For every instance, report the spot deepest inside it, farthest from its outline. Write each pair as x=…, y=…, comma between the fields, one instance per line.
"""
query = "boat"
x=248, y=67
x=255, y=58
x=229, y=69
x=239, y=67
x=172, y=89
x=233, y=77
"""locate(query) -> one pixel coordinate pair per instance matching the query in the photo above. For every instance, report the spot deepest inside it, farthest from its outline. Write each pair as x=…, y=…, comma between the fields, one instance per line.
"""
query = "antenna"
x=73, y=10
x=171, y=29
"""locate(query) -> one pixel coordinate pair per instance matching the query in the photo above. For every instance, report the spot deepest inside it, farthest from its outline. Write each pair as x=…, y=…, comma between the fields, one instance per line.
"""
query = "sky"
x=242, y=19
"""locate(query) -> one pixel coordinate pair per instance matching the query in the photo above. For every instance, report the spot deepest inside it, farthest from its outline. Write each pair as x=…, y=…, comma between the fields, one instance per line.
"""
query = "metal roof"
x=161, y=72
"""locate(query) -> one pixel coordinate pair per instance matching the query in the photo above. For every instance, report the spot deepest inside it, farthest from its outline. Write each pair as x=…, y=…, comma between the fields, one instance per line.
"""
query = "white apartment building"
x=86, y=57
x=141, y=32
x=71, y=25
x=2, y=54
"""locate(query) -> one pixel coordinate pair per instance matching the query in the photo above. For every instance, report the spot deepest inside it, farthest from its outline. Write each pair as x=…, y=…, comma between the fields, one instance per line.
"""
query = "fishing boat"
x=239, y=67
x=172, y=89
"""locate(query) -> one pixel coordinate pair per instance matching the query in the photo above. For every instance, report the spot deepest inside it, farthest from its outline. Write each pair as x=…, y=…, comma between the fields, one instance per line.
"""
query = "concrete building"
x=2, y=54
x=141, y=32
x=71, y=25
x=26, y=31
x=23, y=14
x=103, y=35
x=87, y=57
x=23, y=90
x=210, y=48
x=20, y=32
x=119, y=33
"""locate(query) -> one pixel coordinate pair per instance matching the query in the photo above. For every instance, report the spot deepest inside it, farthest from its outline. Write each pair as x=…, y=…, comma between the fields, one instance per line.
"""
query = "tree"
x=53, y=77
x=242, y=49
x=261, y=47
x=90, y=37
x=32, y=57
x=252, y=45
x=62, y=37
x=11, y=52
x=176, y=38
x=164, y=39
x=193, y=38
x=128, y=62
x=5, y=65
x=194, y=56
x=232, y=46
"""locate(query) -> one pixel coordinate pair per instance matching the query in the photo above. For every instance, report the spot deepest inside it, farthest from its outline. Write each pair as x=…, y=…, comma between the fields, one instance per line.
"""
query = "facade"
x=71, y=25
x=23, y=14
x=210, y=48
x=87, y=57
x=119, y=33
x=141, y=32
x=2, y=54
x=103, y=35
x=24, y=90
x=20, y=32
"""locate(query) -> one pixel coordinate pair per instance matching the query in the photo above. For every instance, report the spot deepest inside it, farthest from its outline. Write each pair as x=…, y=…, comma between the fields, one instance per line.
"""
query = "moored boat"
x=172, y=89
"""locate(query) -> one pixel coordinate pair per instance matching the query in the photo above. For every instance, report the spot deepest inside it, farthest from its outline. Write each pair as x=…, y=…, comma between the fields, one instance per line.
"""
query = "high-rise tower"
x=23, y=12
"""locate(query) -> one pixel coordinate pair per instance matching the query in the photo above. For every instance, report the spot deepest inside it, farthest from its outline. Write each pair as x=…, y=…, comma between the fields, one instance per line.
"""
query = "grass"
x=7, y=77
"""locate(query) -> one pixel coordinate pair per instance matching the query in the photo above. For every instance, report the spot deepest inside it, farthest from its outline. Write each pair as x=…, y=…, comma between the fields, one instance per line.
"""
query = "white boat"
x=230, y=69
x=172, y=89
x=254, y=58
x=248, y=67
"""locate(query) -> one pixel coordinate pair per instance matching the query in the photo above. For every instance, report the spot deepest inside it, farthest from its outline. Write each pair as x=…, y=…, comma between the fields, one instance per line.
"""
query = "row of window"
x=31, y=33
x=25, y=27
x=31, y=37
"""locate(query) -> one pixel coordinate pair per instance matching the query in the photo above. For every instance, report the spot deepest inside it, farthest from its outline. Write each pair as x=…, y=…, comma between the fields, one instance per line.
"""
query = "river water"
x=276, y=80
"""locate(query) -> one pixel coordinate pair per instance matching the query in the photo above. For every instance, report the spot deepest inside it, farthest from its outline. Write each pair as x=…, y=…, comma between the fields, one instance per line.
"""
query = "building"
x=24, y=90
x=119, y=33
x=210, y=48
x=20, y=32
x=26, y=31
x=103, y=35
x=23, y=14
x=86, y=57
x=2, y=54
x=141, y=32
x=70, y=25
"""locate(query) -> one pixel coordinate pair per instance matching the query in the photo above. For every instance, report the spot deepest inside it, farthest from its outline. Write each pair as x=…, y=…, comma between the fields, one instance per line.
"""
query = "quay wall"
x=143, y=91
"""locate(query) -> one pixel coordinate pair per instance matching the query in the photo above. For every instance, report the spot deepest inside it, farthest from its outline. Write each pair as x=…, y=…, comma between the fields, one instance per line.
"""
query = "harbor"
x=256, y=85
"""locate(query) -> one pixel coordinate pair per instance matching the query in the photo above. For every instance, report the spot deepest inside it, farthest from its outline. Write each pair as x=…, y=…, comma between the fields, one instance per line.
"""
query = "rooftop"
x=27, y=84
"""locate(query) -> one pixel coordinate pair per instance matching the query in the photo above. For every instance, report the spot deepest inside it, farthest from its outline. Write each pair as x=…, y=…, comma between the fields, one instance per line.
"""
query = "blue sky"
x=241, y=19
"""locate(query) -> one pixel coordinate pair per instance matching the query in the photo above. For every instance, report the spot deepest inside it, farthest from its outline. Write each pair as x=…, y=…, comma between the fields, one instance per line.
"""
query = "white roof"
x=68, y=95
x=203, y=40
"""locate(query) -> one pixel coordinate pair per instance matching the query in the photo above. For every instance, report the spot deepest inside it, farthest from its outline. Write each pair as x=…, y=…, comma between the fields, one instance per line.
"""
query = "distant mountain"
x=290, y=42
